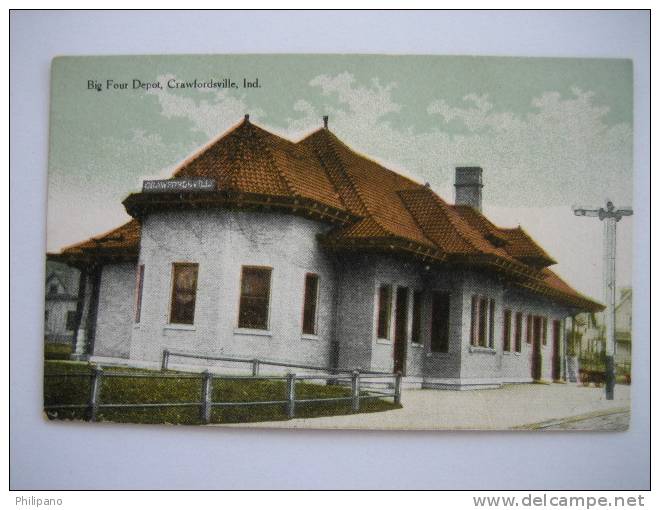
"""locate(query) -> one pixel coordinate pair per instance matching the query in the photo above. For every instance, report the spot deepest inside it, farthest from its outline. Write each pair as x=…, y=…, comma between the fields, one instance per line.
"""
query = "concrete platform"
x=512, y=406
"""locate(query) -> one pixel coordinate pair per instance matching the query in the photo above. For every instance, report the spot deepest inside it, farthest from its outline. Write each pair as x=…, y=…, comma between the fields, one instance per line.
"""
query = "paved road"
x=614, y=421
x=513, y=406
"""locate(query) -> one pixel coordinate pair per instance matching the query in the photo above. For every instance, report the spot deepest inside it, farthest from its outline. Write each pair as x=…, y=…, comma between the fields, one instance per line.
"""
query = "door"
x=401, y=329
x=440, y=322
x=536, y=348
x=556, y=358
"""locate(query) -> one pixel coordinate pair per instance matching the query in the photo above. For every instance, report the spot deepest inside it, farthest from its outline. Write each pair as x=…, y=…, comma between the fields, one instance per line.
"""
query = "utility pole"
x=609, y=215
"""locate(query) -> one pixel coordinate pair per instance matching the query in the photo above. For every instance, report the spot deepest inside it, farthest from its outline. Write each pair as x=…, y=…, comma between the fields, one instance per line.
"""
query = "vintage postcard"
x=340, y=241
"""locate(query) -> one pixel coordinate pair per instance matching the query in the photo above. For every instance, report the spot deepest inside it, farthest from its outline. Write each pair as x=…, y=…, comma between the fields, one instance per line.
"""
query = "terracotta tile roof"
x=251, y=160
x=367, y=188
x=375, y=207
x=515, y=241
x=126, y=237
x=523, y=247
x=446, y=227
x=482, y=224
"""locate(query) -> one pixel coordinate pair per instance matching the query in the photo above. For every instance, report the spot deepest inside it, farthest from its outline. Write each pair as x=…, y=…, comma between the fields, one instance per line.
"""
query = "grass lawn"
x=75, y=390
x=57, y=351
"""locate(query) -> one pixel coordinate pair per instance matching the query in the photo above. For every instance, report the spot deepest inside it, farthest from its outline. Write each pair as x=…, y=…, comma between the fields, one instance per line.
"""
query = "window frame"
x=474, y=320
x=417, y=320
x=482, y=322
x=176, y=265
x=388, y=334
x=444, y=347
x=70, y=320
x=491, y=323
x=315, y=328
x=506, y=330
x=139, y=286
x=269, y=269
x=518, y=326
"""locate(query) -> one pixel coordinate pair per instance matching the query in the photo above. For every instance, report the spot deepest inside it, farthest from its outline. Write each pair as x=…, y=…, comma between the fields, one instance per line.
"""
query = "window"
x=530, y=323
x=255, y=298
x=518, y=331
x=184, y=290
x=52, y=289
x=310, y=303
x=544, y=330
x=71, y=320
x=46, y=318
x=483, y=321
x=491, y=323
x=417, y=317
x=138, y=292
x=384, y=311
x=506, y=332
x=482, y=326
x=474, y=321
x=440, y=322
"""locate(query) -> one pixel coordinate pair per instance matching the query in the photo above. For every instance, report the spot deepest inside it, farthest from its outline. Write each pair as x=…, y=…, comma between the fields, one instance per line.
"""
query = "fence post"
x=291, y=395
x=355, y=391
x=255, y=367
x=207, y=393
x=95, y=392
x=397, y=388
x=166, y=359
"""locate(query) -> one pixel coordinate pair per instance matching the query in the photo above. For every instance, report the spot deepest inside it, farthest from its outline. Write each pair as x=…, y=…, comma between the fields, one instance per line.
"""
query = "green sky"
x=548, y=132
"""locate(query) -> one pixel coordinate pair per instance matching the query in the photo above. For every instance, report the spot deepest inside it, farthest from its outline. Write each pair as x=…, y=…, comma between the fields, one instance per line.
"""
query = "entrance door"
x=556, y=358
x=401, y=329
x=536, y=349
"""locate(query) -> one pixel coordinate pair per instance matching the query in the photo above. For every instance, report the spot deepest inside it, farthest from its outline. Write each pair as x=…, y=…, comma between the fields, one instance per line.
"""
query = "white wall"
x=114, y=319
x=480, y=364
x=221, y=241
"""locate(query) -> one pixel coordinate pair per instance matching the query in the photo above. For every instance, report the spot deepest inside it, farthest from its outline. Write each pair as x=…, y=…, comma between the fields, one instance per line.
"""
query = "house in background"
x=623, y=332
x=309, y=252
x=61, y=302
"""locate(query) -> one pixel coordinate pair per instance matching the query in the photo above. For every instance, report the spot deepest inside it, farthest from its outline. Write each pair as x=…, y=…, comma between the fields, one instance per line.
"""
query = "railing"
x=256, y=363
x=206, y=403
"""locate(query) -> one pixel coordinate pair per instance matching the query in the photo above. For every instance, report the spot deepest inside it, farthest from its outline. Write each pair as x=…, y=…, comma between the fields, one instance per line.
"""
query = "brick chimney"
x=468, y=186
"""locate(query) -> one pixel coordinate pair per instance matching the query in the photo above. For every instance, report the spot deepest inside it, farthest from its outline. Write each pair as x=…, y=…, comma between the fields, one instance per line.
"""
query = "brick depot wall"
x=399, y=274
x=440, y=365
x=355, y=311
x=480, y=365
x=114, y=321
x=516, y=366
x=360, y=279
x=222, y=241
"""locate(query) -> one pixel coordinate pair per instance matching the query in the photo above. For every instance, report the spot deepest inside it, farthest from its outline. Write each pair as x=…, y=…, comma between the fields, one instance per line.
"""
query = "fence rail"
x=358, y=393
x=257, y=363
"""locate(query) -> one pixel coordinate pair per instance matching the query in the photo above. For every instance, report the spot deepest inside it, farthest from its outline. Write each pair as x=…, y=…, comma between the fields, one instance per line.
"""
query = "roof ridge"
x=414, y=216
x=271, y=159
x=358, y=154
x=99, y=236
x=202, y=150
x=340, y=168
x=453, y=217
x=333, y=140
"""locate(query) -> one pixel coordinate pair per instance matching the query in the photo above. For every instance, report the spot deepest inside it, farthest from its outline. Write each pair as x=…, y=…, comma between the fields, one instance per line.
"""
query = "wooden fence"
x=256, y=363
x=206, y=403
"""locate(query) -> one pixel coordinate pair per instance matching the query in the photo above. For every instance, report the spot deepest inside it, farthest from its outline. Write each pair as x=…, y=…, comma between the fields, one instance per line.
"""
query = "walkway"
x=513, y=406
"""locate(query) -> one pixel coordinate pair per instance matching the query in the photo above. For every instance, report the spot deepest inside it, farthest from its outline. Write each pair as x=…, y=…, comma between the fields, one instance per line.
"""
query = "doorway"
x=537, y=361
x=401, y=329
x=556, y=358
